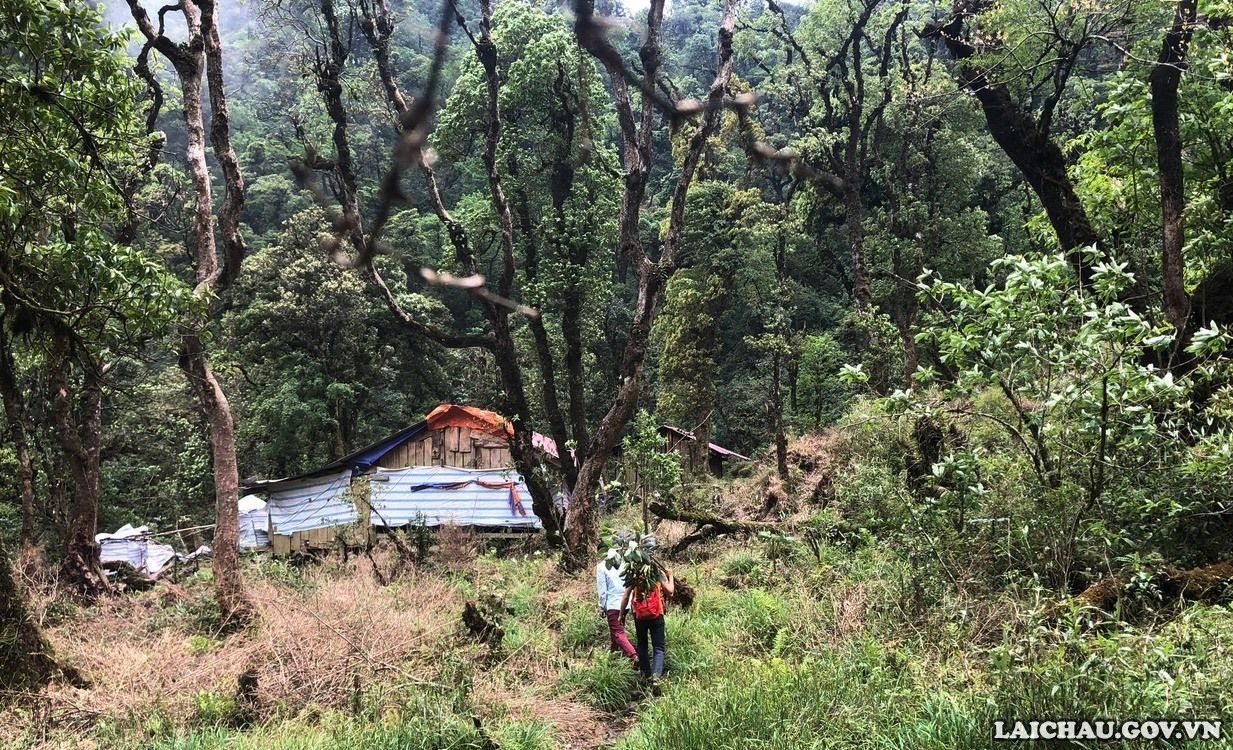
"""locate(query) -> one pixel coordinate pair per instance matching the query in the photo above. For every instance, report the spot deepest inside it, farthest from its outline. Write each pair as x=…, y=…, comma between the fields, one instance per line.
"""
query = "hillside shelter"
x=454, y=467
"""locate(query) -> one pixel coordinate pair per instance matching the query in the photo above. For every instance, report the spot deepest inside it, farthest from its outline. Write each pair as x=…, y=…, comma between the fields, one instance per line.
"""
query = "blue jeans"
x=655, y=629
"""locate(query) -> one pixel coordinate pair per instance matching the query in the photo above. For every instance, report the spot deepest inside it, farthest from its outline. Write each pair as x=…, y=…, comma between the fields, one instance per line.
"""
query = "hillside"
x=905, y=326
x=835, y=639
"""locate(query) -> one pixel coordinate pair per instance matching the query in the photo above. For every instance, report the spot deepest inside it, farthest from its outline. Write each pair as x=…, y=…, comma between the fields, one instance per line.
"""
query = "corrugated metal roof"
x=143, y=554
x=254, y=527
x=436, y=495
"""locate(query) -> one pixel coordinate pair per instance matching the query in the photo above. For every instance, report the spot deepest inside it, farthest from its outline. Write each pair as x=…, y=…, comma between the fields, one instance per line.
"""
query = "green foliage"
x=69, y=100
x=214, y=709
x=822, y=396
x=325, y=369
x=1093, y=415
x=684, y=337
x=526, y=735
x=1075, y=670
x=854, y=698
x=158, y=472
x=758, y=617
x=657, y=473
x=424, y=724
x=744, y=569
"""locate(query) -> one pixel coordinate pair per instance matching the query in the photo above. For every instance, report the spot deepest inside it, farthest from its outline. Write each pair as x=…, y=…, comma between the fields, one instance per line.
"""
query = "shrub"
x=213, y=709
x=759, y=616
x=743, y=569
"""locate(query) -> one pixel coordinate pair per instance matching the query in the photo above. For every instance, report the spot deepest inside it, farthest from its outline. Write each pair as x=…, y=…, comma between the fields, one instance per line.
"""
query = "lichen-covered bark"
x=17, y=415
x=80, y=568
x=581, y=523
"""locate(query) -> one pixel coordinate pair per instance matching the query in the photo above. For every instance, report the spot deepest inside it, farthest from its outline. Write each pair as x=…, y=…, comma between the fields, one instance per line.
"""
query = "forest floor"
x=834, y=645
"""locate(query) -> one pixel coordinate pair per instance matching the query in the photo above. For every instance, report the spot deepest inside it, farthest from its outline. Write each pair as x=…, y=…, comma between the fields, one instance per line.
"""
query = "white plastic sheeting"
x=132, y=545
x=436, y=495
x=311, y=503
x=254, y=523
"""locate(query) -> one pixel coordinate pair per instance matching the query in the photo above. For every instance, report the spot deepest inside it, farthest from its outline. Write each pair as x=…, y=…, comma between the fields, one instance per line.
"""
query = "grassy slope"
x=862, y=646
x=799, y=654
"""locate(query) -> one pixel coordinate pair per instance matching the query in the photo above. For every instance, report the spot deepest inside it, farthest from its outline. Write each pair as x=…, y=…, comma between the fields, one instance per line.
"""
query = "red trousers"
x=619, y=641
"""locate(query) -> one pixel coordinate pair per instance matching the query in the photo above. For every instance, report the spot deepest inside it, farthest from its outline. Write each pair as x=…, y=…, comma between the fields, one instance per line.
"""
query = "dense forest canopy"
x=243, y=240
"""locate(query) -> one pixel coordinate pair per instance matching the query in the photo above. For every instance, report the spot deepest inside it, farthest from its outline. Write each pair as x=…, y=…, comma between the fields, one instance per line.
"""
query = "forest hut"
x=685, y=444
x=454, y=467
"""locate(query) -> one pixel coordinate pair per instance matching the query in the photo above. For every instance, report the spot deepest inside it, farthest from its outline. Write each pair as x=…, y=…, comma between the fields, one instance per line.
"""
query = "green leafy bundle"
x=632, y=553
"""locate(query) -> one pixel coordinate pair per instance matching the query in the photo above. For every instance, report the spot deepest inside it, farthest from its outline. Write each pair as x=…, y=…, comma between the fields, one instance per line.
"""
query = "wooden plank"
x=492, y=457
x=393, y=459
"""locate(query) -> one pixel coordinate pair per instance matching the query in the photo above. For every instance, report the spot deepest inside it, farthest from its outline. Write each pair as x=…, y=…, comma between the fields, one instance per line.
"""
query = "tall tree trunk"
x=26, y=661
x=782, y=330
x=1165, y=78
x=80, y=568
x=226, y=550
x=581, y=523
x=776, y=409
x=18, y=417
x=1025, y=140
x=854, y=217
x=199, y=60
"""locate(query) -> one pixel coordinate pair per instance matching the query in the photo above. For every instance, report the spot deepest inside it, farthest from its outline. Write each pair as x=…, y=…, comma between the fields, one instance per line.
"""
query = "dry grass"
x=456, y=547
x=311, y=649
x=814, y=460
x=329, y=637
x=577, y=725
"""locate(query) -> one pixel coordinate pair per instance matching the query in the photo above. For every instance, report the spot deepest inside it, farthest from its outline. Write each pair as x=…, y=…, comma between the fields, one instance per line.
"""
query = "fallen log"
x=707, y=525
x=1210, y=584
x=702, y=518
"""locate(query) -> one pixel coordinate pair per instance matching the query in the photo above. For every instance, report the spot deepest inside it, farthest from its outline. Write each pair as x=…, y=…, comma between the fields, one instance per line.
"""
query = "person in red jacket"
x=648, y=606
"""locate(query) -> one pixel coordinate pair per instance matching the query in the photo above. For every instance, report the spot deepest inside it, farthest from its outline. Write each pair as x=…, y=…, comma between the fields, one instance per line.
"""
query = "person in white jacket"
x=610, y=588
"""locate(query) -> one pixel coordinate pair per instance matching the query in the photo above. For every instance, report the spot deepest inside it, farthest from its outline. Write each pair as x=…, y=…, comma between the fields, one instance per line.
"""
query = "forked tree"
x=583, y=450
x=198, y=59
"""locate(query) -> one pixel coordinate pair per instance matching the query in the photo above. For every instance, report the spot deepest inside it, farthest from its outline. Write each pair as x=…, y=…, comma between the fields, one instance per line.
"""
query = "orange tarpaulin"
x=454, y=415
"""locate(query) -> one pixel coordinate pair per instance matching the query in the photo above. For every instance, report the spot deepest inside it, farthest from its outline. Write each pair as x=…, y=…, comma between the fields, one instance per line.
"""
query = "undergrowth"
x=840, y=645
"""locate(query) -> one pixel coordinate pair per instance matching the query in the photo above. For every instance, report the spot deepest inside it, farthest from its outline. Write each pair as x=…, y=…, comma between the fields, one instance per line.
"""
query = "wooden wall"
x=460, y=447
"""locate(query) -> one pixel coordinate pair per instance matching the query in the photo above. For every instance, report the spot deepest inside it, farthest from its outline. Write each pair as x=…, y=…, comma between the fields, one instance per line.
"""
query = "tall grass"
x=608, y=682
x=850, y=700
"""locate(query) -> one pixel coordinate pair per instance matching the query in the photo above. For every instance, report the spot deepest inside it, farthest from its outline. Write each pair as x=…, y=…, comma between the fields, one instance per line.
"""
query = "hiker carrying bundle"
x=647, y=597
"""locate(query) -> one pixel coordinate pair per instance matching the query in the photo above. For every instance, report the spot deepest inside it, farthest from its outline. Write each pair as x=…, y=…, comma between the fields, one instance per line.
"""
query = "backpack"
x=649, y=607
